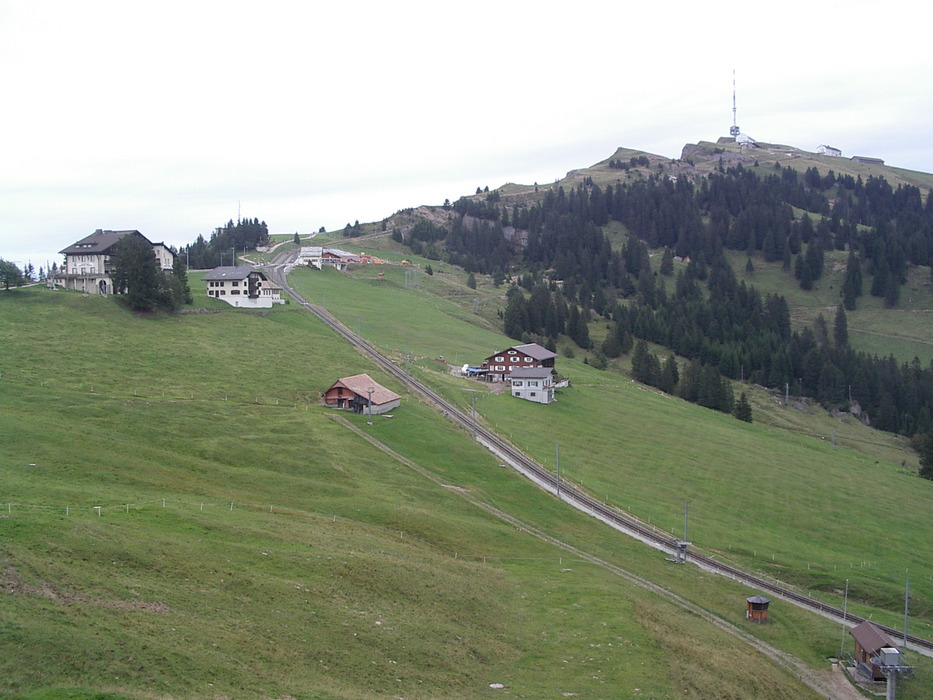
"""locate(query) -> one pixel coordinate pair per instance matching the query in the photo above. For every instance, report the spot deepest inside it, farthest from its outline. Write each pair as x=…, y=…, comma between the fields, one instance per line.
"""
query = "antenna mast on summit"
x=734, y=129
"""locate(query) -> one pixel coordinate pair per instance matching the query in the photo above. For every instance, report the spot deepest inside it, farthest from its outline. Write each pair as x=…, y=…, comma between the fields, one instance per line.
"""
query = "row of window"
x=515, y=358
x=220, y=283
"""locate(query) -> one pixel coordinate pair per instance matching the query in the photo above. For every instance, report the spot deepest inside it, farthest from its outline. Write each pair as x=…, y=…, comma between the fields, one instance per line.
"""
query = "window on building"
x=516, y=382
x=500, y=359
x=515, y=359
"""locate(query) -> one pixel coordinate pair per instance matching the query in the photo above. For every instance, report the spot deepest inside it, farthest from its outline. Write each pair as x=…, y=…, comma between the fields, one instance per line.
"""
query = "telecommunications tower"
x=734, y=129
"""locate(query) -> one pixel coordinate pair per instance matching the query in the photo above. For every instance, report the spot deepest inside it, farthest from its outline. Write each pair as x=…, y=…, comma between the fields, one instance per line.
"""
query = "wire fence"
x=9, y=509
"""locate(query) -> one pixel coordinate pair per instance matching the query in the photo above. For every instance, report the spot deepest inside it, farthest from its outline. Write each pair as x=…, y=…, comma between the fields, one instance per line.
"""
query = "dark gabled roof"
x=98, y=242
x=360, y=384
x=230, y=272
x=870, y=638
x=530, y=372
x=758, y=600
x=533, y=350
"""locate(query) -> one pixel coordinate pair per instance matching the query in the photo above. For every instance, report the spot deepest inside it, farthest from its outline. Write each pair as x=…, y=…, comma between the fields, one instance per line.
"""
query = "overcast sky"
x=174, y=117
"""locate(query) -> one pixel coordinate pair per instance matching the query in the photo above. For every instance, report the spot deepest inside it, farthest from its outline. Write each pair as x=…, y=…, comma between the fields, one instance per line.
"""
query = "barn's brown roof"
x=870, y=638
x=360, y=384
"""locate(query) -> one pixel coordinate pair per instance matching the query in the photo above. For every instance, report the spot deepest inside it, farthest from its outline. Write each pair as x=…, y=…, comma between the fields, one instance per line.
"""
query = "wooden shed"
x=757, y=608
x=869, y=641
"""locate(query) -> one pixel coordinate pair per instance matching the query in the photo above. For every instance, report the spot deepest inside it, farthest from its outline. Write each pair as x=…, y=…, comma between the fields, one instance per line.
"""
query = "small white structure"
x=533, y=384
x=825, y=150
x=242, y=286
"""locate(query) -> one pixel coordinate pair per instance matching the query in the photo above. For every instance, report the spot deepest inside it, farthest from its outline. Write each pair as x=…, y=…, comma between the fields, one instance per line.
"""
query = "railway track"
x=575, y=496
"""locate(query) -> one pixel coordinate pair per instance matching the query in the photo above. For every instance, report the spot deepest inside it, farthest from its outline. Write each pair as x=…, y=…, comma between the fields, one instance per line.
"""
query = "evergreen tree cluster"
x=633, y=162
x=701, y=383
x=245, y=234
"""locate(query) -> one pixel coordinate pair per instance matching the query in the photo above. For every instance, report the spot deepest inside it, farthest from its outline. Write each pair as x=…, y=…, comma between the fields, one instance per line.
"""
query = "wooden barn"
x=354, y=393
x=869, y=641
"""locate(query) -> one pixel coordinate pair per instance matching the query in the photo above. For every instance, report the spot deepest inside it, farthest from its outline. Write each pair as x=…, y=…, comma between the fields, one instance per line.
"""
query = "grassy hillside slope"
x=786, y=502
x=247, y=544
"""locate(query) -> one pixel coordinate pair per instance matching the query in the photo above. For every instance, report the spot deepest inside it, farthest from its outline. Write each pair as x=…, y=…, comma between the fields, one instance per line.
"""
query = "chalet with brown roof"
x=498, y=366
x=355, y=392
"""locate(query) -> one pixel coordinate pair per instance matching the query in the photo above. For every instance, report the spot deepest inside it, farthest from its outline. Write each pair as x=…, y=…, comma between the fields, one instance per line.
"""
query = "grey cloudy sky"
x=170, y=117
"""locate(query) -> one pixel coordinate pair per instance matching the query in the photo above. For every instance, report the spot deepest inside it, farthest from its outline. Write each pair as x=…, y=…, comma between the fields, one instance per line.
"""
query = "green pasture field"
x=862, y=515
x=249, y=545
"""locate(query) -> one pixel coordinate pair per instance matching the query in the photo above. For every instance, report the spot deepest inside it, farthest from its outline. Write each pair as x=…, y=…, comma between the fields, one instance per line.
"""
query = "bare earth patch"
x=13, y=585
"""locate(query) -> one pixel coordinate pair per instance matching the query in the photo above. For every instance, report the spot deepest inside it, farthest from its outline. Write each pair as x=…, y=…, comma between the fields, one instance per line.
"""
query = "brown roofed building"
x=869, y=641
x=499, y=365
x=354, y=393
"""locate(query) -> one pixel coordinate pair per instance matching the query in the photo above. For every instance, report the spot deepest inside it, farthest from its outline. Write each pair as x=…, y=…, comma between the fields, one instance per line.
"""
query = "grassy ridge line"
x=248, y=594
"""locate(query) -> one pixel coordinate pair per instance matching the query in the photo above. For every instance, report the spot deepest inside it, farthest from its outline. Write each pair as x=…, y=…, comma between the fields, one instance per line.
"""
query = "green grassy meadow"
x=251, y=543
x=743, y=481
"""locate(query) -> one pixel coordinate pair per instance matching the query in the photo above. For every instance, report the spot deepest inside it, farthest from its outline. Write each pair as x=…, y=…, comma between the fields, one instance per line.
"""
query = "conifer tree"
x=135, y=273
x=852, y=284
x=669, y=376
x=924, y=445
x=743, y=409
x=841, y=328
x=645, y=366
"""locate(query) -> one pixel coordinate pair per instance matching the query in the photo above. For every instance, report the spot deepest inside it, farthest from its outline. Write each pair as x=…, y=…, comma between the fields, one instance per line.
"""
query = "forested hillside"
x=570, y=271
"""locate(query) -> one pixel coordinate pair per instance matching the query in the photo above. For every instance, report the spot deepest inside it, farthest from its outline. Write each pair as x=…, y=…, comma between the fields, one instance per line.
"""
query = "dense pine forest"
x=722, y=326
